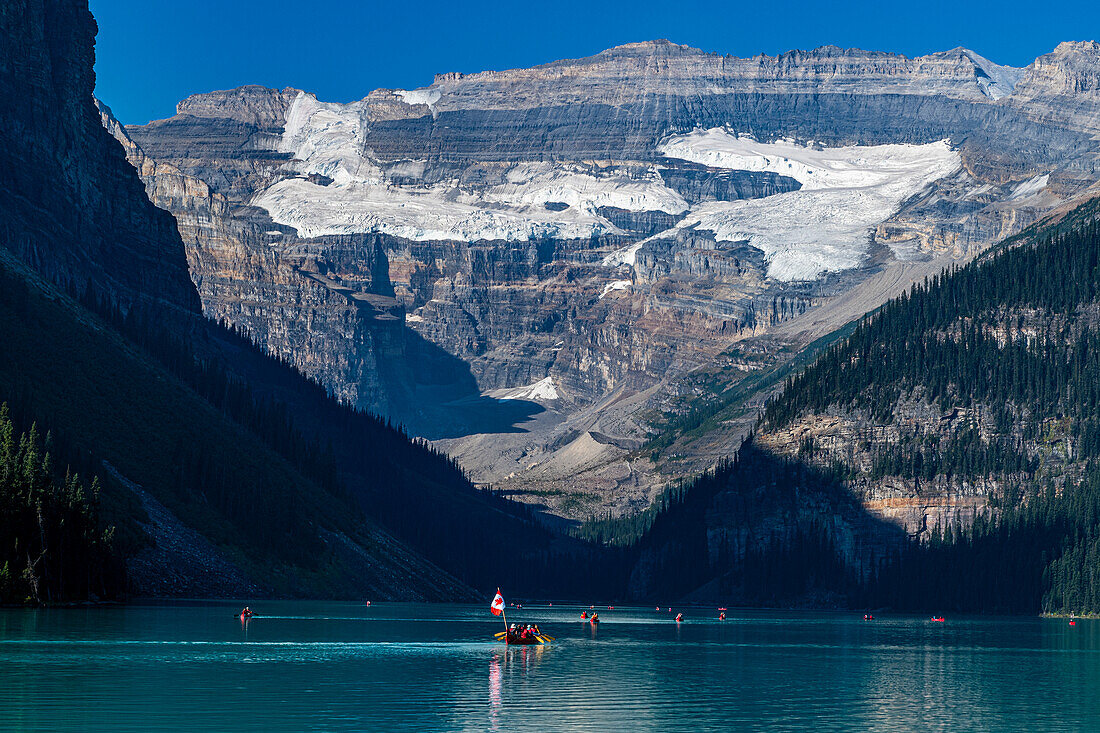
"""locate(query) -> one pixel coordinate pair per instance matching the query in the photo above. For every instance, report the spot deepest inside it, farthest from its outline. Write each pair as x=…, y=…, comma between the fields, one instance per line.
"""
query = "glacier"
x=826, y=225
x=326, y=139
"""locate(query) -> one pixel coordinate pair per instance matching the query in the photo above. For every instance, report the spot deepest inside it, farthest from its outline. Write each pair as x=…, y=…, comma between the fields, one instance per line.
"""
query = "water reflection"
x=512, y=667
x=496, y=689
x=413, y=668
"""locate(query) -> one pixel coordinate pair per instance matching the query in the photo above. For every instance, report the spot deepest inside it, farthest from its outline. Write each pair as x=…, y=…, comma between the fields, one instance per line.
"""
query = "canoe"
x=510, y=638
x=517, y=639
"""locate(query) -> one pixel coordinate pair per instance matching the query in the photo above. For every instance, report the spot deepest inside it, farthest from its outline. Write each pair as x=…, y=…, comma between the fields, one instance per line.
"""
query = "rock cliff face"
x=72, y=206
x=326, y=321
x=75, y=214
x=613, y=224
x=1063, y=86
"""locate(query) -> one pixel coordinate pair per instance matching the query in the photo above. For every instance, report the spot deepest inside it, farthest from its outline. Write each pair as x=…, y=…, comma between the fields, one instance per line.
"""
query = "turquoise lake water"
x=418, y=667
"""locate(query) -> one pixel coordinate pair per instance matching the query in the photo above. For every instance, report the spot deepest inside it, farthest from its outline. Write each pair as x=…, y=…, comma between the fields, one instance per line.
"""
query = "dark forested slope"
x=943, y=456
x=224, y=470
x=115, y=413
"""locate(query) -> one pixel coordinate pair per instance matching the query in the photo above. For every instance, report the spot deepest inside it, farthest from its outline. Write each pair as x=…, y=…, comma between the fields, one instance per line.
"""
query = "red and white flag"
x=498, y=604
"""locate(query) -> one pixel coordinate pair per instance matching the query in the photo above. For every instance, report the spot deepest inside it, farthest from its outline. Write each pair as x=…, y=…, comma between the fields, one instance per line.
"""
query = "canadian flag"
x=498, y=604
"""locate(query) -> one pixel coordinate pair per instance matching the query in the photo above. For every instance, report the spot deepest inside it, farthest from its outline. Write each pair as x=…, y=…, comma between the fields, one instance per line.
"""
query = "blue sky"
x=151, y=53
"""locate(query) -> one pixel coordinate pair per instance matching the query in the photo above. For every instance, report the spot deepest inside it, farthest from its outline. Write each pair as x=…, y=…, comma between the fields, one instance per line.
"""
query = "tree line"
x=52, y=546
x=1015, y=337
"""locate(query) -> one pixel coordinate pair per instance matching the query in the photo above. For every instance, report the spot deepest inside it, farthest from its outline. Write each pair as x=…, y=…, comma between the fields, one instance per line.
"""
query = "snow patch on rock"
x=826, y=225
x=542, y=390
x=1030, y=187
x=623, y=256
x=616, y=285
x=419, y=96
x=995, y=81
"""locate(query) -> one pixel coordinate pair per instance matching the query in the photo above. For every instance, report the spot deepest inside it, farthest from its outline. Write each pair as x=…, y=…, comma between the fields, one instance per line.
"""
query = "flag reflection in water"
x=515, y=661
x=496, y=687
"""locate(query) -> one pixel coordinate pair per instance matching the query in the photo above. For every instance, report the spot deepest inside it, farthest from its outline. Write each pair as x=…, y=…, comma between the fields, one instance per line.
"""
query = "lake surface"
x=341, y=666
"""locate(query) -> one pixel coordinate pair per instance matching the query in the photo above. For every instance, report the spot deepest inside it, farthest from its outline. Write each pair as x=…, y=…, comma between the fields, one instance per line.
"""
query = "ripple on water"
x=336, y=667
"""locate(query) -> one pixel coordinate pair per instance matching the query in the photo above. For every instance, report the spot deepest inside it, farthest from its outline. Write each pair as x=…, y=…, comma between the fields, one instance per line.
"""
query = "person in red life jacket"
x=679, y=617
x=595, y=618
x=584, y=615
x=722, y=616
x=246, y=612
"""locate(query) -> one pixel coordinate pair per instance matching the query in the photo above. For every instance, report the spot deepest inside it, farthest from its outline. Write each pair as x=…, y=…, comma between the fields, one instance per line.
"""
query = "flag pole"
x=503, y=612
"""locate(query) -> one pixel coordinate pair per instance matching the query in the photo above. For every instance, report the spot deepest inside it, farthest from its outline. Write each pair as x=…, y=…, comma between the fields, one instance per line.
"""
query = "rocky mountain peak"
x=656, y=47
x=1070, y=60
x=832, y=51
x=448, y=76
x=1064, y=85
x=994, y=80
x=1073, y=48
x=251, y=104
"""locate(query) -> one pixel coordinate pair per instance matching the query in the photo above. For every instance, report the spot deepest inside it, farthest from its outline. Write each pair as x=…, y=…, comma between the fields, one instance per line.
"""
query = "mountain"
x=224, y=471
x=944, y=455
x=583, y=278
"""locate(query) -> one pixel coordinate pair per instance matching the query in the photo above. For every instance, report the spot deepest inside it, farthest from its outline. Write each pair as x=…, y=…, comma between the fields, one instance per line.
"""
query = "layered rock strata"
x=613, y=224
